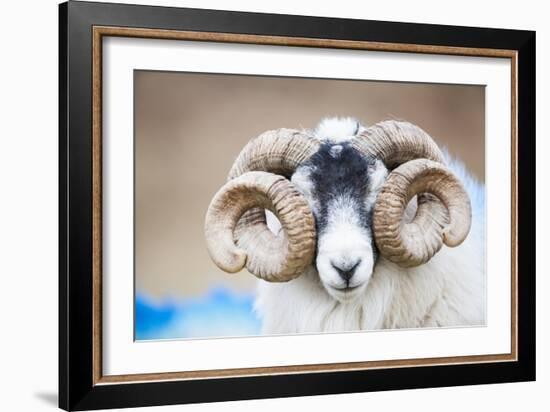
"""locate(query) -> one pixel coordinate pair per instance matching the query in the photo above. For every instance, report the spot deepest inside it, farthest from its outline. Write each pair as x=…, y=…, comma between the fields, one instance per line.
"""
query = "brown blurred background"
x=190, y=127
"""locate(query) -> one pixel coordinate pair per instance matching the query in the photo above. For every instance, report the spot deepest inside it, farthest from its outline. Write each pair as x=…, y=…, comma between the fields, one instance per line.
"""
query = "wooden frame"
x=82, y=27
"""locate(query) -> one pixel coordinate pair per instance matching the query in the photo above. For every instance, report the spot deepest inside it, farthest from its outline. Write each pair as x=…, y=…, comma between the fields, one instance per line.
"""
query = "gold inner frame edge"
x=100, y=31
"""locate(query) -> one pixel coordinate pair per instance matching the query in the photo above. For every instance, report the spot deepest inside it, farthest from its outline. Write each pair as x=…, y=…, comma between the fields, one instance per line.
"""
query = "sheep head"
x=269, y=173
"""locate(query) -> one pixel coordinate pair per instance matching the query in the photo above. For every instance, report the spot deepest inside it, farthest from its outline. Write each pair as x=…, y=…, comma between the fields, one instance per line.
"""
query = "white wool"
x=449, y=290
x=337, y=129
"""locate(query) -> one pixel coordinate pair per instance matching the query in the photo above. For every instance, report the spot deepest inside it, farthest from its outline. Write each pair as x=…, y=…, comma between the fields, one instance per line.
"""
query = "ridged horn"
x=236, y=229
x=444, y=212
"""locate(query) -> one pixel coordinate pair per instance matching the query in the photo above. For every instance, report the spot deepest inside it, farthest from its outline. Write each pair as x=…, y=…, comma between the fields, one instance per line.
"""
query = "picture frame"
x=82, y=28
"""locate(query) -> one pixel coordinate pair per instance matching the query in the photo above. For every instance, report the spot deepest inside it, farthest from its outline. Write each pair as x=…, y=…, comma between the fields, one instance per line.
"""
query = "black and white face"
x=341, y=186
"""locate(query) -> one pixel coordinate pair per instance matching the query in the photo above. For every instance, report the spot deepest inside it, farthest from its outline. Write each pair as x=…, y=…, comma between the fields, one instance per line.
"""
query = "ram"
x=352, y=227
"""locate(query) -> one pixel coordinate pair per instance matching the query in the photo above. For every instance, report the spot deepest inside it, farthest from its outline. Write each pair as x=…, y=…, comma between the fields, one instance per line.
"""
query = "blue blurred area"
x=221, y=312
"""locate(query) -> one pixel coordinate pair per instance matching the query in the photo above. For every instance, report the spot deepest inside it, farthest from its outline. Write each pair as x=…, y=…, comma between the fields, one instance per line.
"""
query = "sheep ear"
x=378, y=174
x=273, y=223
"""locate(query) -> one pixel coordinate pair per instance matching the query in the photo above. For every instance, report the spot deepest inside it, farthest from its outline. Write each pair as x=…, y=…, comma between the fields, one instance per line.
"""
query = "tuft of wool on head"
x=337, y=129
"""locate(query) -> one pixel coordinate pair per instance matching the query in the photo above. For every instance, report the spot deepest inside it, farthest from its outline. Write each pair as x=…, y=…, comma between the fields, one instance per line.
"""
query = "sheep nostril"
x=347, y=269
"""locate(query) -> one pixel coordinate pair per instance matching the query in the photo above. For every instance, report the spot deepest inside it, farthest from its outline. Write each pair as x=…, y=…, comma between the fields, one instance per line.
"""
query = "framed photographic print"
x=257, y=205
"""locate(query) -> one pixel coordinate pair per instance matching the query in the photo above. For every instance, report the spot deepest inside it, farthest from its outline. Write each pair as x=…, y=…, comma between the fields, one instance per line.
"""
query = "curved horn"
x=414, y=243
x=397, y=142
x=275, y=259
x=444, y=212
x=276, y=151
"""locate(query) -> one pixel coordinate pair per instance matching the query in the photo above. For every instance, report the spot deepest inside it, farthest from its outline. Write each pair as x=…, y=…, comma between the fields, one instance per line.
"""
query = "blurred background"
x=188, y=130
